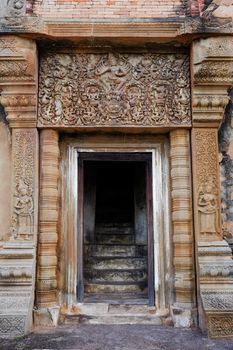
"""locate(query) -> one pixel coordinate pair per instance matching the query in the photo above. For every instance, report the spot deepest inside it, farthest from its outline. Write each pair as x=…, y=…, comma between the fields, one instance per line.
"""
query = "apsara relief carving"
x=207, y=181
x=24, y=163
x=114, y=90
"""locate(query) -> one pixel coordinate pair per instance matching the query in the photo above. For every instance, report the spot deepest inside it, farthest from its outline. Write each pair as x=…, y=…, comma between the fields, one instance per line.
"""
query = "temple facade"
x=116, y=154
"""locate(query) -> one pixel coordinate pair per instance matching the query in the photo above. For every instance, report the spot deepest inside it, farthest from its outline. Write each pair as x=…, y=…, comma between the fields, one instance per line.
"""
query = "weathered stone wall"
x=5, y=177
x=109, y=8
x=131, y=8
x=226, y=167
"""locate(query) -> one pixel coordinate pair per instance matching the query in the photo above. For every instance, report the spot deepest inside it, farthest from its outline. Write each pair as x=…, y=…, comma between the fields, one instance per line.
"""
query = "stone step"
x=105, y=250
x=115, y=238
x=107, y=313
x=100, y=263
x=114, y=228
x=114, y=319
x=102, y=309
x=116, y=275
x=117, y=299
x=115, y=288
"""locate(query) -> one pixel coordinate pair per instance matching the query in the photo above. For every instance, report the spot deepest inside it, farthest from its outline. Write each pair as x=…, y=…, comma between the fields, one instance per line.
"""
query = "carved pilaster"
x=212, y=76
x=48, y=235
x=182, y=224
x=17, y=255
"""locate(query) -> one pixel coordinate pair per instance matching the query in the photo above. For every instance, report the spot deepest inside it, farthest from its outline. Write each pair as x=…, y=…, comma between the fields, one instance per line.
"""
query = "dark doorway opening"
x=116, y=248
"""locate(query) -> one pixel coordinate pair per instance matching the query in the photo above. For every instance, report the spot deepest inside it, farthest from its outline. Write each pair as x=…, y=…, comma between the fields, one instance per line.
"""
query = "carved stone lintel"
x=114, y=90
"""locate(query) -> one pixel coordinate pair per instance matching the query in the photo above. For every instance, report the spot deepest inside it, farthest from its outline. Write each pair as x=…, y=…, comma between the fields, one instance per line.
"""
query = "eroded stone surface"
x=4, y=180
x=125, y=337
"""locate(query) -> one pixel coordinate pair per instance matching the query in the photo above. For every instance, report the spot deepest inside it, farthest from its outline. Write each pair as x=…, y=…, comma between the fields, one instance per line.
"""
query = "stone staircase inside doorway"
x=116, y=281
x=115, y=267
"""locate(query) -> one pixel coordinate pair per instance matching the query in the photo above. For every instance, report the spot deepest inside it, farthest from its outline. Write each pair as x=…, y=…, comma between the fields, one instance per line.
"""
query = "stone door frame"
x=158, y=147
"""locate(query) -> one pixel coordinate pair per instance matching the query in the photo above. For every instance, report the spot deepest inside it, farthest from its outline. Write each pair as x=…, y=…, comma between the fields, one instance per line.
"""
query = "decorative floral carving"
x=18, y=100
x=114, y=89
x=23, y=209
x=220, y=325
x=15, y=272
x=216, y=270
x=214, y=71
x=208, y=102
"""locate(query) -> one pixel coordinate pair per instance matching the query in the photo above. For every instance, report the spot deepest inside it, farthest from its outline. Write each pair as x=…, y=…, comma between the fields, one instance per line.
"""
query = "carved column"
x=182, y=228
x=212, y=66
x=18, y=88
x=48, y=235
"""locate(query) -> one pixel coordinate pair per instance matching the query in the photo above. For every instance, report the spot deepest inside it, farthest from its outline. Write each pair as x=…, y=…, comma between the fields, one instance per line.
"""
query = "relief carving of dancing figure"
x=208, y=209
x=23, y=211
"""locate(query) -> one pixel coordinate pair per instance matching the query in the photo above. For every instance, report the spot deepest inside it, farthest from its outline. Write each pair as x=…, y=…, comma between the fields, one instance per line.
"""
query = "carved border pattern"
x=220, y=326
x=206, y=144
x=15, y=70
x=214, y=72
x=114, y=90
x=217, y=300
x=12, y=325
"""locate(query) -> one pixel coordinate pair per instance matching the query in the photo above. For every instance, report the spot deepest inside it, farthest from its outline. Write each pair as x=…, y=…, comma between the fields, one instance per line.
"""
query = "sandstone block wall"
x=110, y=8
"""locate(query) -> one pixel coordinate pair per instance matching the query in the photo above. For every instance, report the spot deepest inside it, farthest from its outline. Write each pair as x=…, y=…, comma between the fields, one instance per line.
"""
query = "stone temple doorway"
x=115, y=260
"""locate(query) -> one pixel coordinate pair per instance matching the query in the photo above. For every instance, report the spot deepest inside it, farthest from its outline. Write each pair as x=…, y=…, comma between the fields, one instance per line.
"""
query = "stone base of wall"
x=16, y=288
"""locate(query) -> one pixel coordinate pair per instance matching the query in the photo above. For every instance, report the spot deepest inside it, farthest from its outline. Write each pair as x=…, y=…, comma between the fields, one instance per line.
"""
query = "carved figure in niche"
x=115, y=66
x=23, y=211
x=183, y=97
x=208, y=209
x=91, y=97
x=45, y=97
x=135, y=110
x=159, y=102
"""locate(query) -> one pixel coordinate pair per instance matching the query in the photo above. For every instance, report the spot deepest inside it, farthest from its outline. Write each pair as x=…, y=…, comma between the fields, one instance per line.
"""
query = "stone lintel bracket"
x=212, y=76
